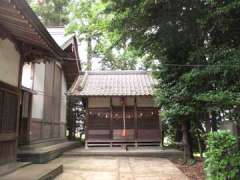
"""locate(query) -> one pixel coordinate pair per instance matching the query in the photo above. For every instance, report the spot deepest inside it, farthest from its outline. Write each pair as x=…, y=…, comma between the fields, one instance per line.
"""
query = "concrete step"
x=132, y=151
x=35, y=172
x=44, y=154
x=44, y=143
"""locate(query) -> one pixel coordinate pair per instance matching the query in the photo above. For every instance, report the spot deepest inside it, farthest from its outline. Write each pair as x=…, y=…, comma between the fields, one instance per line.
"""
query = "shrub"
x=222, y=157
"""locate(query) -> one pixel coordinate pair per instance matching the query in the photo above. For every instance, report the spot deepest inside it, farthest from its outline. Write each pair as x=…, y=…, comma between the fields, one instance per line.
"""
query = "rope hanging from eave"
x=124, y=132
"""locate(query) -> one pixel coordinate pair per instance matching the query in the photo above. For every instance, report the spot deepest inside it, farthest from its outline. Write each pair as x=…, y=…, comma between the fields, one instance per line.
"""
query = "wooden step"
x=35, y=172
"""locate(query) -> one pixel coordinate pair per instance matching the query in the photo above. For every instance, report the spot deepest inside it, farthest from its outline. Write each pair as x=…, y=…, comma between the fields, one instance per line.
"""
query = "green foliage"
x=222, y=157
x=92, y=21
x=51, y=12
x=193, y=49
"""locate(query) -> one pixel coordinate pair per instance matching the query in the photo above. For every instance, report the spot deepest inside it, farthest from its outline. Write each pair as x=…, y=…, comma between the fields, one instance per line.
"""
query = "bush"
x=222, y=157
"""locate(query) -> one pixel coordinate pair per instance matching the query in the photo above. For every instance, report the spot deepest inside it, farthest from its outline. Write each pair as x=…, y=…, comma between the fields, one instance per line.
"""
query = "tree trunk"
x=70, y=119
x=178, y=133
x=187, y=145
x=238, y=126
x=89, y=54
x=207, y=122
x=199, y=144
x=214, y=121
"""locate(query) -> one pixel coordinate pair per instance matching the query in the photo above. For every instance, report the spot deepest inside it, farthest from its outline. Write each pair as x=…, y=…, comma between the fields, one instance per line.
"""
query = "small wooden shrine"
x=120, y=107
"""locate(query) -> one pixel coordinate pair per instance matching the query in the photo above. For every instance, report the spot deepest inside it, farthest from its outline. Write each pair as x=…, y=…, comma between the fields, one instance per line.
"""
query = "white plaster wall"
x=38, y=86
x=9, y=62
x=63, y=100
x=27, y=76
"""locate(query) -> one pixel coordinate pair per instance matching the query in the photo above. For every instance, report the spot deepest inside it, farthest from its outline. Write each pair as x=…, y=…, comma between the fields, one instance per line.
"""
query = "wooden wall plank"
x=8, y=121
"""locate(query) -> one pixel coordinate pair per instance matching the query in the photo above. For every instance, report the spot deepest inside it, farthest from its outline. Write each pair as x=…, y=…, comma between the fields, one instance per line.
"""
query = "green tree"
x=88, y=18
x=165, y=32
x=51, y=12
x=193, y=48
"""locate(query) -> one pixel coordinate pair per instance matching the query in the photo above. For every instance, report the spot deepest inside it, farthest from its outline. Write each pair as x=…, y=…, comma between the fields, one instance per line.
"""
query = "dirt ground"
x=193, y=172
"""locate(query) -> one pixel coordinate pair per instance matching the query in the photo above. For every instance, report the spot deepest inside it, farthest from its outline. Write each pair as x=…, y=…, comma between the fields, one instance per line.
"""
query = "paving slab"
x=118, y=168
x=35, y=172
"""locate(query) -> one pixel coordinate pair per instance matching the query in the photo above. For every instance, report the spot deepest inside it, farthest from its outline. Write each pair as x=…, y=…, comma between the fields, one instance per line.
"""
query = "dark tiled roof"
x=113, y=83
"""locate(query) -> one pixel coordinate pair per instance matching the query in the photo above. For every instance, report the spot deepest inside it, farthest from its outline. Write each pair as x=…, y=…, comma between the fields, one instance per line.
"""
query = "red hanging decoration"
x=124, y=133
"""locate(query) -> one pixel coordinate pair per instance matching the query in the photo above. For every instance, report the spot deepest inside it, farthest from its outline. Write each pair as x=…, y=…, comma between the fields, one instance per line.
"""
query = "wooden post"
x=111, y=121
x=29, y=117
x=124, y=117
x=161, y=130
x=20, y=71
x=86, y=125
x=135, y=122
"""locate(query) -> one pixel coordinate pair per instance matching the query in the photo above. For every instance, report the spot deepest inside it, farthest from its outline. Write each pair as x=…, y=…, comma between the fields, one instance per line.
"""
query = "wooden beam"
x=16, y=27
x=4, y=7
x=8, y=88
x=8, y=137
x=7, y=5
x=13, y=14
x=30, y=36
x=5, y=17
x=32, y=42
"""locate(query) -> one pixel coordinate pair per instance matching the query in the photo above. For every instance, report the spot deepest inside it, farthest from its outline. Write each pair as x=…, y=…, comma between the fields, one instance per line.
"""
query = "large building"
x=120, y=107
x=30, y=114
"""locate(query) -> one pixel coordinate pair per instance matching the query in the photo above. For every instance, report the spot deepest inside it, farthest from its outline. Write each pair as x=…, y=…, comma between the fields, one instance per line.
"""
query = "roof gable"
x=71, y=65
x=21, y=22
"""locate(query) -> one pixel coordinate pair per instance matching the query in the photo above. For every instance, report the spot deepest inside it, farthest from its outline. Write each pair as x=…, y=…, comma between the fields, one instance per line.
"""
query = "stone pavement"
x=35, y=172
x=118, y=168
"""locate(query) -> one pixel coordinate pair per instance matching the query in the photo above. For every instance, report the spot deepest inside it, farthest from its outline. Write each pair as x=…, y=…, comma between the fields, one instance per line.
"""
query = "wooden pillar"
x=124, y=116
x=135, y=122
x=29, y=117
x=161, y=129
x=111, y=121
x=86, y=125
x=20, y=71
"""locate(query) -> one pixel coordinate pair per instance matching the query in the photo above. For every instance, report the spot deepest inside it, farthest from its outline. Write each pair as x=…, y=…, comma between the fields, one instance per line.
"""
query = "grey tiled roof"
x=113, y=83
